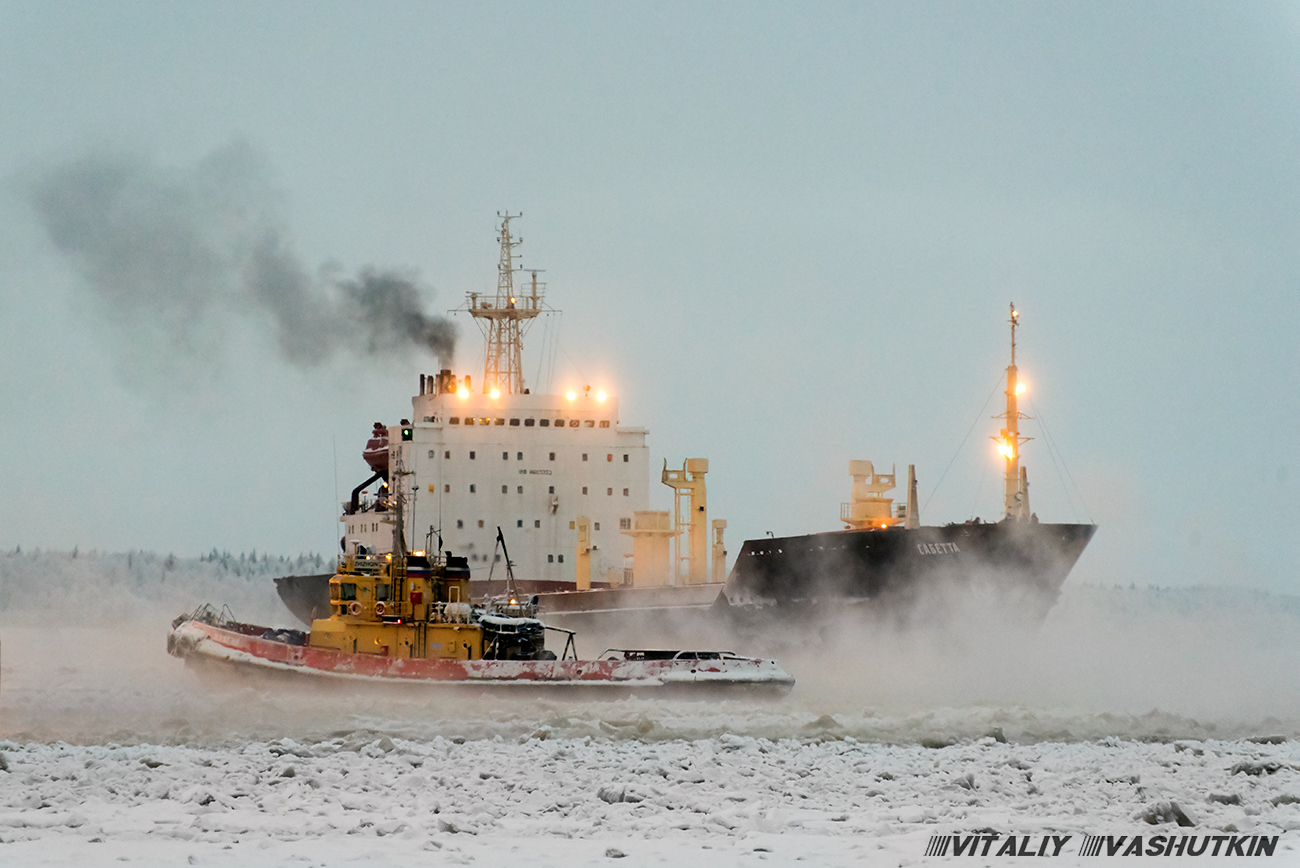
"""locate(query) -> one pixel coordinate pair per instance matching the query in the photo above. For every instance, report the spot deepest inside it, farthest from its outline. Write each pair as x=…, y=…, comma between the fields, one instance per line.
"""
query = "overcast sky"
x=786, y=235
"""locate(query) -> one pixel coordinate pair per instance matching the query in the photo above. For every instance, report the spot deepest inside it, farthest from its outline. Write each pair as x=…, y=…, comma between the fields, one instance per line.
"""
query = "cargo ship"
x=885, y=560
x=570, y=483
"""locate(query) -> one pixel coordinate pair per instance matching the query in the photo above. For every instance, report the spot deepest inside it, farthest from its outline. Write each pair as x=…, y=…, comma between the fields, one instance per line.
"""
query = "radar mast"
x=1009, y=439
x=504, y=318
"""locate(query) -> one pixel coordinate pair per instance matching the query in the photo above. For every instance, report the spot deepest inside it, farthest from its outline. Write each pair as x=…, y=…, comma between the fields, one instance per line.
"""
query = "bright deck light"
x=600, y=396
x=496, y=393
x=571, y=395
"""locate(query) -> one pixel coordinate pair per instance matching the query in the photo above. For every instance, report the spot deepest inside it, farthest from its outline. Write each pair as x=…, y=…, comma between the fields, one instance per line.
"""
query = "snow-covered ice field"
x=1124, y=705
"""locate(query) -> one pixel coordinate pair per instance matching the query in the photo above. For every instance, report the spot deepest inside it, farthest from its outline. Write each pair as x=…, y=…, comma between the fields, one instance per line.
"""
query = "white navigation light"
x=600, y=396
x=571, y=395
x=462, y=392
x=496, y=393
x=1020, y=388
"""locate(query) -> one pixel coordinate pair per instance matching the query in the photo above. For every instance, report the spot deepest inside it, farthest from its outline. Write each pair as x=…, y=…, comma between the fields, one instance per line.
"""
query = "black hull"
x=308, y=597
x=1019, y=565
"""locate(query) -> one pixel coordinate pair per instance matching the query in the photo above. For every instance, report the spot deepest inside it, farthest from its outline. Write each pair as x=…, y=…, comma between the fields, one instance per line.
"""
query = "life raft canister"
x=380, y=609
x=354, y=608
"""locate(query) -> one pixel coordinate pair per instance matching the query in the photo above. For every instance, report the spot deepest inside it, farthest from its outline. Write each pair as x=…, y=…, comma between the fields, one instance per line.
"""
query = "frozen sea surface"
x=1127, y=713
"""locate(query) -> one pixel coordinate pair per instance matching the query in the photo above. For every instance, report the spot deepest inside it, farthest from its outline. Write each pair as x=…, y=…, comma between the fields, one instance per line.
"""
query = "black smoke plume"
x=174, y=257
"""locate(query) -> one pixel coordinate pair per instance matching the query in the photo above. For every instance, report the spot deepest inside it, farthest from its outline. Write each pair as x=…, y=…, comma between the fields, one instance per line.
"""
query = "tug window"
x=349, y=590
x=334, y=590
x=382, y=591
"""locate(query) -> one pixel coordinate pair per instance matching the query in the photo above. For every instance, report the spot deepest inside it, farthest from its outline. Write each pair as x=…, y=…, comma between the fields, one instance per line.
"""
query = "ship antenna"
x=1009, y=439
x=512, y=593
x=505, y=318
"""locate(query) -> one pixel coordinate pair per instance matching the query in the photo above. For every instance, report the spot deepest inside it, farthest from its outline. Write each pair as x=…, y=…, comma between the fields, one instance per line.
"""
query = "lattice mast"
x=1009, y=439
x=505, y=318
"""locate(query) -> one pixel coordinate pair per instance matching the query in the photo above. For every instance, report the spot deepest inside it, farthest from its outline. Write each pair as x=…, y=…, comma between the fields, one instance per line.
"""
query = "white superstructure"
x=472, y=460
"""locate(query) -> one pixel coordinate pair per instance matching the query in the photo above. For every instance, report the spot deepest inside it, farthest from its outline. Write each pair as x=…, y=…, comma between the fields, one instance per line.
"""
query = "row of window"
x=519, y=456
x=623, y=523
x=505, y=489
x=527, y=422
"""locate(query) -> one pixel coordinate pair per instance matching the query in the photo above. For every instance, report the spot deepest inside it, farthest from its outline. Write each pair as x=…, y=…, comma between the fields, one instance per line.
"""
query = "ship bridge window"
x=528, y=423
x=590, y=423
x=500, y=421
x=604, y=423
x=514, y=423
x=454, y=420
x=559, y=423
x=469, y=420
x=545, y=423
x=573, y=423
x=625, y=524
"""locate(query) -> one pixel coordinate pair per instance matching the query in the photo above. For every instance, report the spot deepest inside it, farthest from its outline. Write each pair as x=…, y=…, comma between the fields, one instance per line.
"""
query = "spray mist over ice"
x=174, y=257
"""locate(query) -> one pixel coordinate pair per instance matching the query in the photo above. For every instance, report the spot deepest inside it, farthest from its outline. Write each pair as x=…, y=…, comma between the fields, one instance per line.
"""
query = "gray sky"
x=786, y=237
